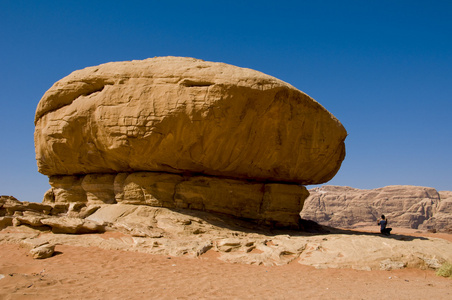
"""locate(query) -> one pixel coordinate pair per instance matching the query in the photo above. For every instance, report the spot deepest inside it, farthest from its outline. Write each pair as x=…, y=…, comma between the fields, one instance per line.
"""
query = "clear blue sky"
x=383, y=68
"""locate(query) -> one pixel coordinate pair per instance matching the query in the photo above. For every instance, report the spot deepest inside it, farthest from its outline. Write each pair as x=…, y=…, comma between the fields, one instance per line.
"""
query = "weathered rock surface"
x=270, y=203
x=185, y=133
x=404, y=206
x=194, y=233
x=42, y=252
x=371, y=252
x=60, y=218
x=441, y=218
x=39, y=248
x=9, y=205
x=72, y=225
x=179, y=115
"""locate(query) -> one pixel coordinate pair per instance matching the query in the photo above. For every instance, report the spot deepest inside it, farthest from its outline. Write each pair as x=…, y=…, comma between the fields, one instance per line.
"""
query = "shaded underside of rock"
x=404, y=206
x=183, y=115
x=273, y=204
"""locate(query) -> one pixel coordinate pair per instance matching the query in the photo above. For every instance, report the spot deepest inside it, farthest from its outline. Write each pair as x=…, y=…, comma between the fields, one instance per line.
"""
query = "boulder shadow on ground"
x=305, y=228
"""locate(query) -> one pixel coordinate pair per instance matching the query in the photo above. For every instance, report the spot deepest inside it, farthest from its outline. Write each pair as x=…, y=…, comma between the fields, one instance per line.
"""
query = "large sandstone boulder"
x=210, y=136
x=177, y=115
x=405, y=206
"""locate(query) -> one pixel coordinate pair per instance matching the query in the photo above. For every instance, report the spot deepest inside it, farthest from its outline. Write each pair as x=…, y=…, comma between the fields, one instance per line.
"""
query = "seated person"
x=383, y=223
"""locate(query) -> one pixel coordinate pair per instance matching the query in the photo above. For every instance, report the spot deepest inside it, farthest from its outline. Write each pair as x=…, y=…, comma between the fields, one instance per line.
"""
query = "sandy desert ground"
x=93, y=273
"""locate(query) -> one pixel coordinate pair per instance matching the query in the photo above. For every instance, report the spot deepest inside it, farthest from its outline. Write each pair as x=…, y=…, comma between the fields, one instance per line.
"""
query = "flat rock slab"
x=135, y=228
x=375, y=252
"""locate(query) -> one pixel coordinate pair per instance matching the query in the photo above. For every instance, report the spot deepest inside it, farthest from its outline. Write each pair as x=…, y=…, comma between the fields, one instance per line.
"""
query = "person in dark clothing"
x=383, y=223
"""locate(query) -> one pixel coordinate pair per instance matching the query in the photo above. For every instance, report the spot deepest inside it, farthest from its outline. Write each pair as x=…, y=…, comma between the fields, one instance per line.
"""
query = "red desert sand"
x=93, y=273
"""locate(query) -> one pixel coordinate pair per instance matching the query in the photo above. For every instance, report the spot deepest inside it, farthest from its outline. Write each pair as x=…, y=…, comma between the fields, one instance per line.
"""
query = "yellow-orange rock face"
x=187, y=116
x=184, y=133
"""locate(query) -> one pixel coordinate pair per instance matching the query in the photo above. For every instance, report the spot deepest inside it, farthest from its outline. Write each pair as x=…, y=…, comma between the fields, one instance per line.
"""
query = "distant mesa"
x=185, y=133
x=404, y=206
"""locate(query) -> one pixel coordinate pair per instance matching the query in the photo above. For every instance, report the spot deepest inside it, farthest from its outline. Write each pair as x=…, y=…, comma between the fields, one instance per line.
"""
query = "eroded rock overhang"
x=252, y=140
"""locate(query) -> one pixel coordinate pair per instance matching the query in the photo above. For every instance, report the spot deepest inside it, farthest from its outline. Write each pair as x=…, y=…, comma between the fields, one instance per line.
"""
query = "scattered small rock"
x=388, y=265
x=44, y=251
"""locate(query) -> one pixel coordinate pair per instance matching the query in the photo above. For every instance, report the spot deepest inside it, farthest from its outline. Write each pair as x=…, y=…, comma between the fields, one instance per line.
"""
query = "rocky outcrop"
x=404, y=206
x=373, y=252
x=39, y=248
x=60, y=218
x=271, y=203
x=178, y=232
x=214, y=137
x=441, y=218
x=10, y=205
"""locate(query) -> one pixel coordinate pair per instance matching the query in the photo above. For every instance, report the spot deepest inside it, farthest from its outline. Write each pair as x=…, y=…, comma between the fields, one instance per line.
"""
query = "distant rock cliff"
x=404, y=206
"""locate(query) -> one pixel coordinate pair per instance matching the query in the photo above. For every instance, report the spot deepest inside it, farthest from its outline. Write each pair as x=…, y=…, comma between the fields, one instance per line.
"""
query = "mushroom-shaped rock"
x=180, y=116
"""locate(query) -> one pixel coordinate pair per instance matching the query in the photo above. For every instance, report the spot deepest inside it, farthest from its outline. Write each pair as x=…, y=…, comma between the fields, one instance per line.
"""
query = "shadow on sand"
x=305, y=228
x=308, y=227
x=400, y=237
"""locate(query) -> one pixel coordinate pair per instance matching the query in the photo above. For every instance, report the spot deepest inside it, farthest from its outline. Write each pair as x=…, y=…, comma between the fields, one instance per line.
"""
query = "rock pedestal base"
x=274, y=204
